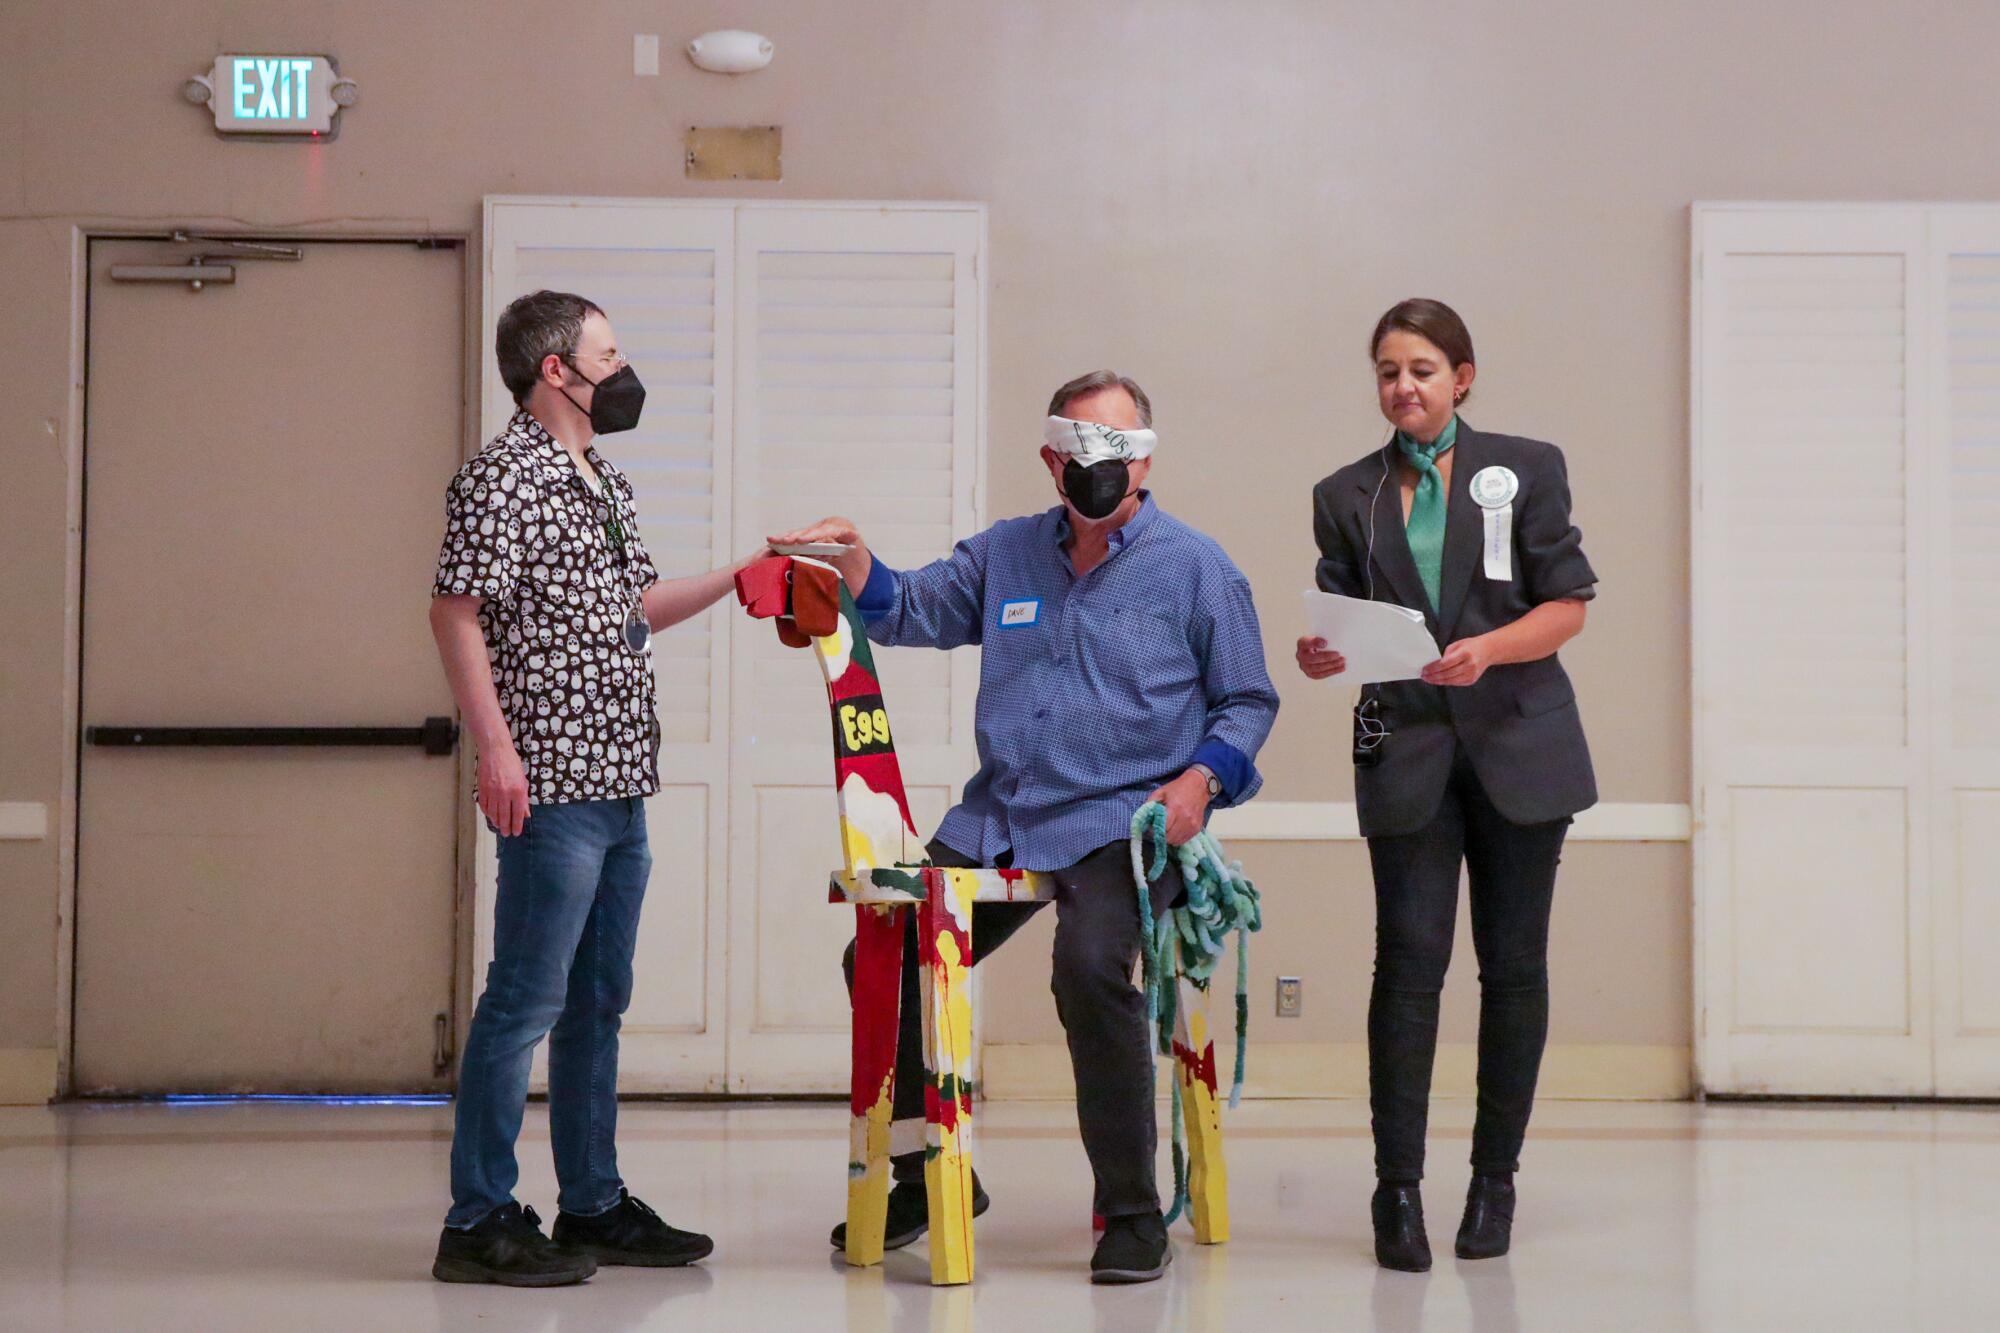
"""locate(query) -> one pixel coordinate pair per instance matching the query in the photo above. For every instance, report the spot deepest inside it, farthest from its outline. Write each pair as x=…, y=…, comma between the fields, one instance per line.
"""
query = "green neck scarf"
x=1426, y=525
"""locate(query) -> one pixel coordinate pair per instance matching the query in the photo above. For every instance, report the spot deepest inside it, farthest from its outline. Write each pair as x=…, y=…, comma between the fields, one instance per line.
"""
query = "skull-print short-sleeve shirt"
x=526, y=533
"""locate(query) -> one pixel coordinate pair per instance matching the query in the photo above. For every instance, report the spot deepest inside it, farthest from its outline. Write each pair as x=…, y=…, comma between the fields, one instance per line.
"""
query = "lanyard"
x=637, y=632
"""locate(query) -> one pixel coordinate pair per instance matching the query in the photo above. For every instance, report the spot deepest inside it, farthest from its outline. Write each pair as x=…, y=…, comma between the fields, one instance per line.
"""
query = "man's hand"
x=1186, y=799
x=835, y=529
x=1317, y=660
x=854, y=566
x=503, y=789
x=1462, y=664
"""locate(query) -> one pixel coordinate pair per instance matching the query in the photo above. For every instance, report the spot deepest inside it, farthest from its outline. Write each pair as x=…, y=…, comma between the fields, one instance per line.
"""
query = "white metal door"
x=859, y=392
x=1813, y=626
x=662, y=273
x=265, y=461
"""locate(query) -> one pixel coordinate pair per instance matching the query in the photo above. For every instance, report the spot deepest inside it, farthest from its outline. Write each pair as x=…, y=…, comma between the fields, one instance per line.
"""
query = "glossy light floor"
x=274, y=1216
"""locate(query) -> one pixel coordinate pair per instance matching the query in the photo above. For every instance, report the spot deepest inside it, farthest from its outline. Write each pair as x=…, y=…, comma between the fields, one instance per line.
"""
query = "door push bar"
x=437, y=736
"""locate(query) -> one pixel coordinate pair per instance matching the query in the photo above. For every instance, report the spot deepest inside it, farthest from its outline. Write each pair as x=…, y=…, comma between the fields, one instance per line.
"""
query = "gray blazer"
x=1519, y=722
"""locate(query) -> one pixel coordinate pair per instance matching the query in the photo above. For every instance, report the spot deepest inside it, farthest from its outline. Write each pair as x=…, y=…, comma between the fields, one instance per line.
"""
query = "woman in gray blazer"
x=1482, y=761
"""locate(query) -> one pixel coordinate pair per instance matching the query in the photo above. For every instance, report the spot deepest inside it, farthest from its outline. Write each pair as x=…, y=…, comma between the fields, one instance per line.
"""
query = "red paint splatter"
x=882, y=774
x=878, y=990
x=1202, y=1066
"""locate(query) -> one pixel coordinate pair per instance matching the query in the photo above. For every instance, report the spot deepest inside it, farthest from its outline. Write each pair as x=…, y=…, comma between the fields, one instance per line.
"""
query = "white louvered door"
x=859, y=387
x=1965, y=504
x=663, y=275
x=1813, y=626
x=799, y=361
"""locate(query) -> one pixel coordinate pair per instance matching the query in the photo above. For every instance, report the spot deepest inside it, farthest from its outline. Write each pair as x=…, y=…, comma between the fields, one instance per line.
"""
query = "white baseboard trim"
x=1335, y=821
x=27, y=1076
x=1581, y=1072
x=23, y=821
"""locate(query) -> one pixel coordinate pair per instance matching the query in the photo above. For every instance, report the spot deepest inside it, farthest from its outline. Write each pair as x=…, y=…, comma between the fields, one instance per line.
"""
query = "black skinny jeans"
x=1512, y=874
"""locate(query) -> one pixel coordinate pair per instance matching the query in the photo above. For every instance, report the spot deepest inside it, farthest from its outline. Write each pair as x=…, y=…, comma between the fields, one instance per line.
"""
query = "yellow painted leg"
x=878, y=986
x=944, y=927
x=1201, y=1108
x=951, y=1311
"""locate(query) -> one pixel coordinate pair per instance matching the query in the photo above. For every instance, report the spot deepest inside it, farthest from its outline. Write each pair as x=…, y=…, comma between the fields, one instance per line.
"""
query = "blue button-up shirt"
x=1093, y=690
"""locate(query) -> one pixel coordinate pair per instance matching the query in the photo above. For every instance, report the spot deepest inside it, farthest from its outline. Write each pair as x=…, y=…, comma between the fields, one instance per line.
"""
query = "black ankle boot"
x=1400, y=1242
x=1488, y=1228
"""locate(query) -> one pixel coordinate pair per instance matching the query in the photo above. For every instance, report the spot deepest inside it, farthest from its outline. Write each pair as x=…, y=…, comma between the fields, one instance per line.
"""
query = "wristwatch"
x=1214, y=782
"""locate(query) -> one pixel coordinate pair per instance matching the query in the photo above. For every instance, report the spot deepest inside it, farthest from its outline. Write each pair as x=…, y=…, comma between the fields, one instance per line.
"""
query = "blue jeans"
x=565, y=922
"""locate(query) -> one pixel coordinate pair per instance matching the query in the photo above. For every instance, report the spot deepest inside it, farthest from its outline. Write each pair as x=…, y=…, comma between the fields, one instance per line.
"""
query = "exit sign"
x=288, y=95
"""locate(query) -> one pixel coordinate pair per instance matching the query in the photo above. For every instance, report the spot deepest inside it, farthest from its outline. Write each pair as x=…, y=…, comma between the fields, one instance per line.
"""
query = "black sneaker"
x=910, y=1214
x=507, y=1247
x=632, y=1234
x=1133, y=1249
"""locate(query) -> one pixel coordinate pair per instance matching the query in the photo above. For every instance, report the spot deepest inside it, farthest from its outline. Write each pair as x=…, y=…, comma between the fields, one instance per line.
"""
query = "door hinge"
x=442, y=1054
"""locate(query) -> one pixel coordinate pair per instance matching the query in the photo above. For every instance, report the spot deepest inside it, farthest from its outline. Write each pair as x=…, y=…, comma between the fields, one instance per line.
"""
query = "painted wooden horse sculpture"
x=885, y=874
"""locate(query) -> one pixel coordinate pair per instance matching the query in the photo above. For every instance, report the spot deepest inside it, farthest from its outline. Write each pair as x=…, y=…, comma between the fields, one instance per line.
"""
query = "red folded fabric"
x=803, y=598
x=815, y=598
x=761, y=587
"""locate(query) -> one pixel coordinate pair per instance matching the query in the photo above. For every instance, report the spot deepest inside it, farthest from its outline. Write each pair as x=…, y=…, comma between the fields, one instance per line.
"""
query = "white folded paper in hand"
x=1381, y=641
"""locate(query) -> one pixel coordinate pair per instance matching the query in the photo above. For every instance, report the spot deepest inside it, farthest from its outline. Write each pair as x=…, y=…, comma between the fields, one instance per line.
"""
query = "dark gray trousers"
x=1103, y=1015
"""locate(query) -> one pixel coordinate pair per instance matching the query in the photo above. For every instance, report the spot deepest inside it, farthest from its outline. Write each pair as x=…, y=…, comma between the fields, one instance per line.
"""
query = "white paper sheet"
x=1380, y=641
x=812, y=548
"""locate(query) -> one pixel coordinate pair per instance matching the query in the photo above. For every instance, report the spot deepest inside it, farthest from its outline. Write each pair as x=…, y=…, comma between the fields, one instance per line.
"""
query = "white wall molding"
x=1579, y=1071
x=1335, y=821
x=23, y=821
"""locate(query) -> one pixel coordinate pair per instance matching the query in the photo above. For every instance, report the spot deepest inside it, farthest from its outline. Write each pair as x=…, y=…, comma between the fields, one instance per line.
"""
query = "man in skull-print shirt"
x=543, y=610
x=528, y=537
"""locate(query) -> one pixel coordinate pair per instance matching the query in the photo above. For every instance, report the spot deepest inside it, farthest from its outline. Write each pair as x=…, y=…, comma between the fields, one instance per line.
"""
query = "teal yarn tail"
x=1220, y=901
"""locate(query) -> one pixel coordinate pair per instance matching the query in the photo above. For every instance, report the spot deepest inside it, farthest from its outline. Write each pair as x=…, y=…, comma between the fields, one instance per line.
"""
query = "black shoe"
x=1400, y=1242
x=631, y=1234
x=1488, y=1228
x=910, y=1214
x=507, y=1247
x=1133, y=1249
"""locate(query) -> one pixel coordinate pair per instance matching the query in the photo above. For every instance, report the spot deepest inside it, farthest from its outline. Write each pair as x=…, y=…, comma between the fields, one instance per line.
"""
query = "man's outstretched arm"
x=938, y=606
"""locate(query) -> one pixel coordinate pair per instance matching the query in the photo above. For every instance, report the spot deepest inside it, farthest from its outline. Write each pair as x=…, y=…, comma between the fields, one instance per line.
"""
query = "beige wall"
x=1215, y=198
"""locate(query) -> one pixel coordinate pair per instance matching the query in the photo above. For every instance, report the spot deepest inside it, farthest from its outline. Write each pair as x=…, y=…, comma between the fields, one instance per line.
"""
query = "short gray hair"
x=533, y=328
x=1097, y=381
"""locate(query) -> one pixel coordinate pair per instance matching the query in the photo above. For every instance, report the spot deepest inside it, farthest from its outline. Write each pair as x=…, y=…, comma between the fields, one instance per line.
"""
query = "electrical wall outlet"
x=1291, y=997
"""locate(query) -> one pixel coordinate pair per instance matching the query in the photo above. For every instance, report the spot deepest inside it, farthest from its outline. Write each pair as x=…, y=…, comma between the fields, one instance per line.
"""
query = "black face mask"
x=616, y=403
x=1096, y=490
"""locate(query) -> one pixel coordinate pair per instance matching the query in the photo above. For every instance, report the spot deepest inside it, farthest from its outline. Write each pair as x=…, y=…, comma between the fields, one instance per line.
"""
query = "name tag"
x=1020, y=615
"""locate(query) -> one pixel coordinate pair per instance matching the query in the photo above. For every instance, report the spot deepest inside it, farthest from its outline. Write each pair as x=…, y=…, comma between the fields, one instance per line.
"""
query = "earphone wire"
x=1368, y=558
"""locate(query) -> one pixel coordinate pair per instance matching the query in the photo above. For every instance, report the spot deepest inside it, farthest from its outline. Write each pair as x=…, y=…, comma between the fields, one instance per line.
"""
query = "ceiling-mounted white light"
x=345, y=92
x=731, y=51
x=198, y=90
